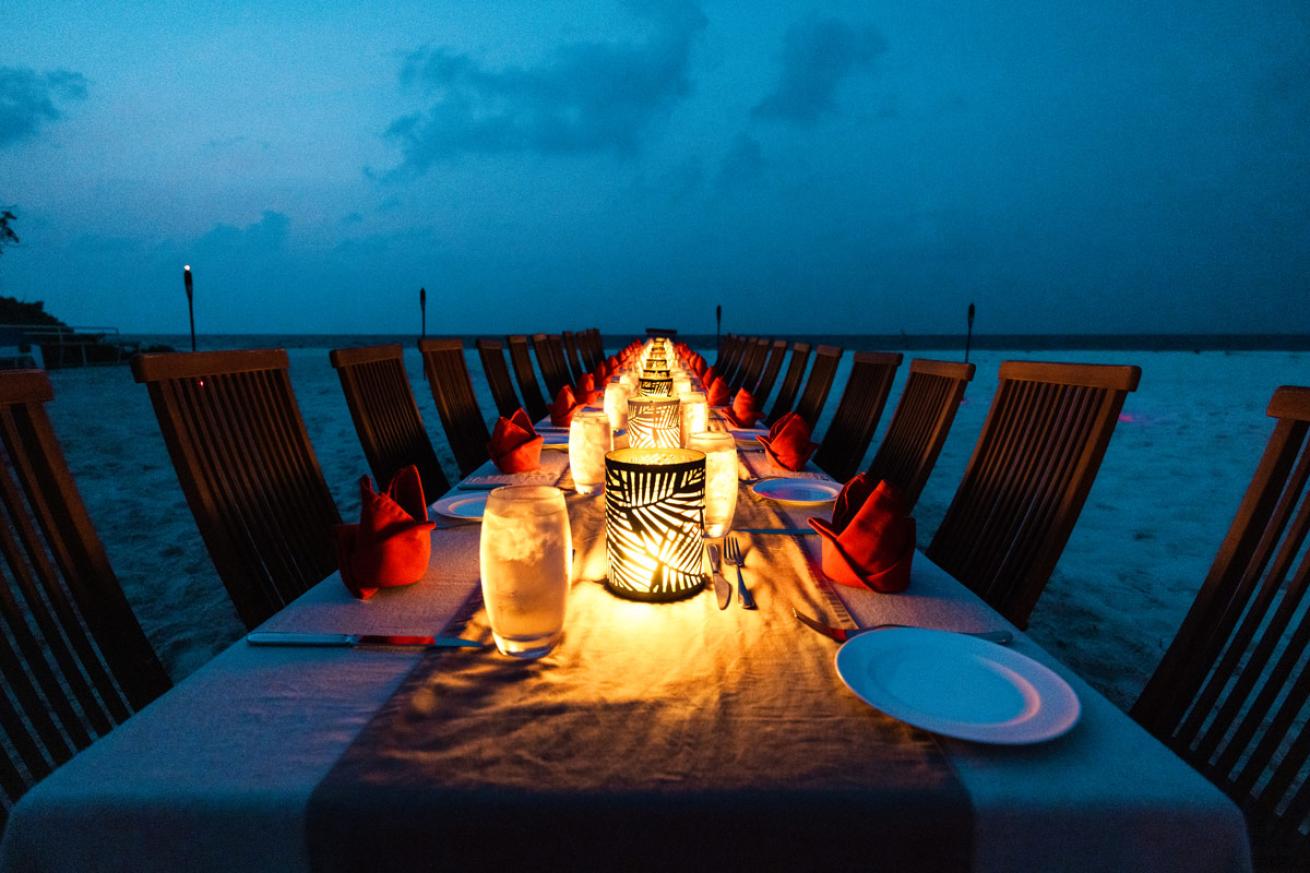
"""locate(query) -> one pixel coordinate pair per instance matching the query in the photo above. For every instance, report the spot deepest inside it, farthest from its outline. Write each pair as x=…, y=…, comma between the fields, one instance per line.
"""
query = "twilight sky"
x=1115, y=166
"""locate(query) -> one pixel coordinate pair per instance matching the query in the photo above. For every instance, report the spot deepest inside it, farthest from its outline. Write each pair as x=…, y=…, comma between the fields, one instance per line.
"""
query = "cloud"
x=742, y=163
x=28, y=99
x=269, y=234
x=816, y=57
x=584, y=97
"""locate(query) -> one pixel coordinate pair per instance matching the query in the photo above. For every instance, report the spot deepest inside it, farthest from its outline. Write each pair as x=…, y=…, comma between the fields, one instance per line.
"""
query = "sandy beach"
x=1183, y=453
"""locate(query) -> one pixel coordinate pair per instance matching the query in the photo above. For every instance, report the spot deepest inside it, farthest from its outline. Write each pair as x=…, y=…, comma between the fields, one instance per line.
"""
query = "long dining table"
x=280, y=759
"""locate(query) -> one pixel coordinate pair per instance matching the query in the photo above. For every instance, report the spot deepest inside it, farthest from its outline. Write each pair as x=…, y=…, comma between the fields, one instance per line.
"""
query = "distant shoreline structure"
x=859, y=342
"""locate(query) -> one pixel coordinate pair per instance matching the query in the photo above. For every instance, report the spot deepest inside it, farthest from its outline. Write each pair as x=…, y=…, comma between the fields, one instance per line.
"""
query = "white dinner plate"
x=557, y=440
x=745, y=437
x=461, y=505
x=800, y=492
x=958, y=686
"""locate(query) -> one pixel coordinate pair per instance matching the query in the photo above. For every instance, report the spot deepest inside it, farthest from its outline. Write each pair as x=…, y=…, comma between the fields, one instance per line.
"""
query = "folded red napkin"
x=717, y=393
x=566, y=403
x=391, y=545
x=870, y=541
x=585, y=386
x=515, y=445
x=788, y=443
x=744, y=412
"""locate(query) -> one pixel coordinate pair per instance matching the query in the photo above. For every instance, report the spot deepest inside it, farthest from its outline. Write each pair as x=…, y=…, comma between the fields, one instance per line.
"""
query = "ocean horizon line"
x=849, y=341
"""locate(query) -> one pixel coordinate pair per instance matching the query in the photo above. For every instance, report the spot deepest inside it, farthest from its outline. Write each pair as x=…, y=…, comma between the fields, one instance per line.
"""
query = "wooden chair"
x=920, y=425
x=594, y=348
x=727, y=347
x=550, y=357
x=1035, y=461
x=791, y=381
x=815, y=396
x=249, y=473
x=386, y=416
x=748, y=374
x=492, y=353
x=730, y=358
x=1230, y=696
x=452, y=389
x=848, y=436
x=573, y=355
x=74, y=661
x=520, y=356
x=764, y=387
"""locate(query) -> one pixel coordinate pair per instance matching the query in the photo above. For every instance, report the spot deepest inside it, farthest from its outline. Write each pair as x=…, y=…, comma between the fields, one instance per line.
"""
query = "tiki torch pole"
x=190, y=305
x=423, y=312
x=968, y=339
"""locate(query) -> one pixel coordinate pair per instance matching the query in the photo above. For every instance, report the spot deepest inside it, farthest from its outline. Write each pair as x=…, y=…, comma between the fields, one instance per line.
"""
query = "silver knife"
x=348, y=641
x=788, y=531
x=722, y=589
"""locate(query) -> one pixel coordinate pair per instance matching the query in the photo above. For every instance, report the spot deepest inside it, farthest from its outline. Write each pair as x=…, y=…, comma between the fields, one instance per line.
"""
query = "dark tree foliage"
x=7, y=235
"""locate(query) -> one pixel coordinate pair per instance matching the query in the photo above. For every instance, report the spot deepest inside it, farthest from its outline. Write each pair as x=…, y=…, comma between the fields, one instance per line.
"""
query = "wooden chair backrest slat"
x=791, y=381
x=920, y=425
x=573, y=355
x=520, y=356
x=386, y=416
x=492, y=353
x=815, y=395
x=72, y=656
x=1031, y=470
x=858, y=413
x=452, y=389
x=748, y=374
x=769, y=377
x=1232, y=693
x=550, y=357
x=249, y=473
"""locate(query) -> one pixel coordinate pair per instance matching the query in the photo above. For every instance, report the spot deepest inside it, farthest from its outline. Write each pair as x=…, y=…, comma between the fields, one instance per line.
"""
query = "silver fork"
x=732, y=551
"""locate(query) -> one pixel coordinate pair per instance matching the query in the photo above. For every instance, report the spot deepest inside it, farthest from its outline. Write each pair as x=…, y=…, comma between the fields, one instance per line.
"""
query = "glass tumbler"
x=720, y=479
x=526, y=563
x=589, y=442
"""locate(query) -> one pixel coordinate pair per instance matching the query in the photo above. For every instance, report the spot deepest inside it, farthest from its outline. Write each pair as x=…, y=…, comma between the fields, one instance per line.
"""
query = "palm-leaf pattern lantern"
x=654, y=503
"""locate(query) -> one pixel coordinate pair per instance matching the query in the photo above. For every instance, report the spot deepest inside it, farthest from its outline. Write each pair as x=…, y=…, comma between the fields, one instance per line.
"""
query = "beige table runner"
x=665, y=737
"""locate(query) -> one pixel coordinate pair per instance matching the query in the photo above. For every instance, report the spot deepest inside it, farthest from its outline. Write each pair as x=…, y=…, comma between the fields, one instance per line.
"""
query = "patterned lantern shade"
x=654, y=501
x=653, y=422
x=656, y=382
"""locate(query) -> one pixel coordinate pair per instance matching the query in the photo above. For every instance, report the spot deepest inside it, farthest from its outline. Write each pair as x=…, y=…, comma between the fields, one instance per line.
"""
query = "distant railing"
x=69, y=345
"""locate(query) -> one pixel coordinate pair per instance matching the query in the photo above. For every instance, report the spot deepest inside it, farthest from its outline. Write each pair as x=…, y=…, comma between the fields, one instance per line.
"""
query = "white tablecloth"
x=216, y=775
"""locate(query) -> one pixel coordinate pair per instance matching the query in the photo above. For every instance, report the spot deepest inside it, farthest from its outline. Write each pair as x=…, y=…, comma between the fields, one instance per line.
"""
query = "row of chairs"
x=1228, y=695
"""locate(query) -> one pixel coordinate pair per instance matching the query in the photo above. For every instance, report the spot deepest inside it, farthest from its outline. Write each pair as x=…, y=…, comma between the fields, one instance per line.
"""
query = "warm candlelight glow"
x=653, y=422
x=589, y=442
x=616, y=405
x=694, y=415
x=720, y=479
x=654, y=500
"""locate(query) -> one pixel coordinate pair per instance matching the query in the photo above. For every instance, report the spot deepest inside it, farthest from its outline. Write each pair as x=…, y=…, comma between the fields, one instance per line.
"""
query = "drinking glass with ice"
x=526, y=563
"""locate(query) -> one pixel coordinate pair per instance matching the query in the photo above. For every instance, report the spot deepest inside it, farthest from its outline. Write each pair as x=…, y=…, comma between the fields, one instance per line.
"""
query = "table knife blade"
x=722, y=590
x=327, y=640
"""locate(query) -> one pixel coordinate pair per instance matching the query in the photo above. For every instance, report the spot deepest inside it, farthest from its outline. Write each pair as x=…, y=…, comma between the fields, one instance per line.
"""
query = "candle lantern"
x=720, y=479
x=616, y=404
x=694, y=415
x=681, y=384
x=589, y=442
x=654, y=500
x=653, y=422
x=656, y=382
